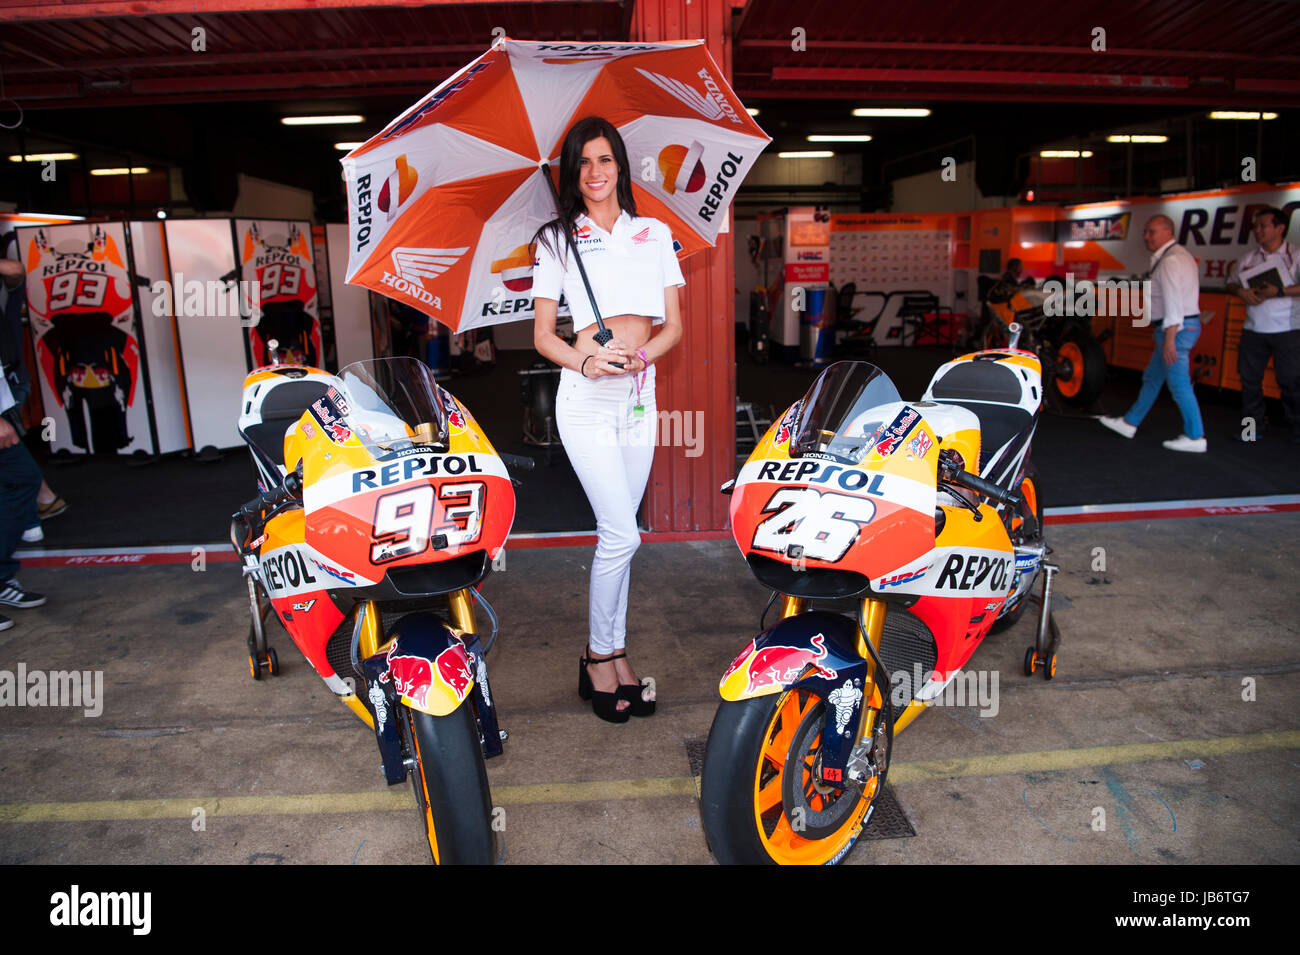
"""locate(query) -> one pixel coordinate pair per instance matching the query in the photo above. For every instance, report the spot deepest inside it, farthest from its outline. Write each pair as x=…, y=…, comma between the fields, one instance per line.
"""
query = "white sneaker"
x=33, y=534
x=1119, y=426
x=1184, y=443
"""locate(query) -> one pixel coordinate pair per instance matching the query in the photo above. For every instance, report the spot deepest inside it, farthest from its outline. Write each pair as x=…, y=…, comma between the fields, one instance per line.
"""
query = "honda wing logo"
x=414, y=265
x=706, y=107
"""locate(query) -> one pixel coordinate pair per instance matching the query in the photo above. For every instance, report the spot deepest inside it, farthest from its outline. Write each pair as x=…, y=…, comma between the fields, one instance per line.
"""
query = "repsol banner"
x=1214, y=226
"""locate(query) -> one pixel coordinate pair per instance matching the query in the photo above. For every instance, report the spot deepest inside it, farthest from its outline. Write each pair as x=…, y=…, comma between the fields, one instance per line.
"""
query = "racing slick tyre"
x=1087, y=369
x=451, y=787
x=1022, y=531
x=760, y=802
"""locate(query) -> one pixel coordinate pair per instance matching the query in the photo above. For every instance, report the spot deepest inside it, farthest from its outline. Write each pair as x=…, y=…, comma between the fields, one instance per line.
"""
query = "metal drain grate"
x=888, y=820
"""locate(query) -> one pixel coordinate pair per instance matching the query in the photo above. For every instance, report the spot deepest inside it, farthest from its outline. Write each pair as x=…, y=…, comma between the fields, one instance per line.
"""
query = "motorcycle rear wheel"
x=451, y=787
x=1087, y=360
x=748, y=797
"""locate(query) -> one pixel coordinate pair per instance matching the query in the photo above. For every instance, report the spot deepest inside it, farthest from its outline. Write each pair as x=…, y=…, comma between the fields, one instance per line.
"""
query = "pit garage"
x=930, y=174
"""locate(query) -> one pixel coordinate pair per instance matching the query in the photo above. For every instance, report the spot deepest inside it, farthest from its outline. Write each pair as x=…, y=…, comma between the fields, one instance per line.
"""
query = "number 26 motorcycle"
x=926, y=514
x=383, y=505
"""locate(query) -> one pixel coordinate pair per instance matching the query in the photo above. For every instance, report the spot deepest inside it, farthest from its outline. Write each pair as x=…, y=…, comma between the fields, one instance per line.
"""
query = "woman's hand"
x=601, y=366
x=617, y=347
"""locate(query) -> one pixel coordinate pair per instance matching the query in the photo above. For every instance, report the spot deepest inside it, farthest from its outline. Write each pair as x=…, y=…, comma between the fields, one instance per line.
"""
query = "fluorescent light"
x=839, y=138
x=347, y=147
x=892, y=111
x=807, y=154
x=1065, y=154
x=321, y=120
x=42, y=157
x=1137, y=138
x=120, y=171
x=1239, y=114
x=162, y=213
x=751, y=110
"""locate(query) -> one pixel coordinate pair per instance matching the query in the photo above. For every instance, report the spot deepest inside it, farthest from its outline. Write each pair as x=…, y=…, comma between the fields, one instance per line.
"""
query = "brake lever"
x=951, y=488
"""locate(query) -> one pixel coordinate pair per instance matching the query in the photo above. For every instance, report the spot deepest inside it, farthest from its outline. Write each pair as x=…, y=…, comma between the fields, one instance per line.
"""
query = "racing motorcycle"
x=1073, y=361
x=382, y=507
x=927, y=516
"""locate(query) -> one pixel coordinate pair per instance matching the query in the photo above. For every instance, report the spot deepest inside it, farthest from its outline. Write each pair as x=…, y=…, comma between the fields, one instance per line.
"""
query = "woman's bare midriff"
x=632, y=330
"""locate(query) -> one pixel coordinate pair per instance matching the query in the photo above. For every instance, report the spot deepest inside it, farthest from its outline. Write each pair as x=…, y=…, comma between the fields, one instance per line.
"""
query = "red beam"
x=15, y=10
x=303, y=82
x=817, y=74
x=902, y=97
x=867, y=46
x=462, y=51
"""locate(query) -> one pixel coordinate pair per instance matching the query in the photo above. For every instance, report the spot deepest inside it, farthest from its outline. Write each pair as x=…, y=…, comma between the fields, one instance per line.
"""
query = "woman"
x=605, y=407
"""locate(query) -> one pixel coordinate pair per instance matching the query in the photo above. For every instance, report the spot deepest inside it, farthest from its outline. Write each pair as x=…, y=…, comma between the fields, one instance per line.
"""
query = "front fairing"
x=370, y=510
x=820, y=525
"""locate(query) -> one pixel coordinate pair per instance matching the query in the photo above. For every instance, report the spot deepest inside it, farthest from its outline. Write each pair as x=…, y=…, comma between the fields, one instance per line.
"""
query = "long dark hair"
x=571, y=202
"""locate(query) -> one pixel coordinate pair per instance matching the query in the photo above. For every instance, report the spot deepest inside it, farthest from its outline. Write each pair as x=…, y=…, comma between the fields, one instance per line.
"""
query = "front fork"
x=368, y=640
x=871, y=628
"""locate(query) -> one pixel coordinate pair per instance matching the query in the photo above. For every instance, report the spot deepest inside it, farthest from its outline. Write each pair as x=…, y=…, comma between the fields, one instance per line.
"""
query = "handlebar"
x=250, y=515
x=518, y=461
x=981, y=486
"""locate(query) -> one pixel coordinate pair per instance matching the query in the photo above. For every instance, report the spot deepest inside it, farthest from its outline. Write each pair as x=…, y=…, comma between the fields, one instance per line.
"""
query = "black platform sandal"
x=604, y=705
x=634, y=693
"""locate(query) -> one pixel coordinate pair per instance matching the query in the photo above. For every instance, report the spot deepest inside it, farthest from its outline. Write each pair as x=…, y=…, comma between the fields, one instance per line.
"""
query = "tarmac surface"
x=1171, y=733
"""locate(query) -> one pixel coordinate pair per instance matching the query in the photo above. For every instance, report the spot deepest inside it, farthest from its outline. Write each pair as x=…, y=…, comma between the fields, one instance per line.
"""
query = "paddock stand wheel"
x=1049, y=635
x=259, y=654
x=268, y=660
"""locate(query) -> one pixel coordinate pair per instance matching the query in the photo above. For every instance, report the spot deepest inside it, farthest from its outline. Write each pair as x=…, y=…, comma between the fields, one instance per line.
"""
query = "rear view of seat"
x=1004, y=396
x=270, y=408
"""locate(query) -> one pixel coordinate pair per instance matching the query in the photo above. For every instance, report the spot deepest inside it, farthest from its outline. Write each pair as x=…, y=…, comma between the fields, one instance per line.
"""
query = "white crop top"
x=629, y=269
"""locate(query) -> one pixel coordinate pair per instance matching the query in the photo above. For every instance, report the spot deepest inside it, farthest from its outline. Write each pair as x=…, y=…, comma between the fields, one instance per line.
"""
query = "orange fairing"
x=868, y=518
x=369, y=514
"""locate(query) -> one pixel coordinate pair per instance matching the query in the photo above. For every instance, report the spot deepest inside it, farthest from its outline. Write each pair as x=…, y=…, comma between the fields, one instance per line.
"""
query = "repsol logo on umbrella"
x=721, y=185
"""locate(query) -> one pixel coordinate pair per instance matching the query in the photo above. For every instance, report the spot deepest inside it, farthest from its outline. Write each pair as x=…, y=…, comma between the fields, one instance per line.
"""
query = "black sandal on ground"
x=604, y=705
x=635, y=694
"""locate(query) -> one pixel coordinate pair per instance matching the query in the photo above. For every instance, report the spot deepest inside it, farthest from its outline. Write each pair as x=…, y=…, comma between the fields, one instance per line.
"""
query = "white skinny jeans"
x=611, y=449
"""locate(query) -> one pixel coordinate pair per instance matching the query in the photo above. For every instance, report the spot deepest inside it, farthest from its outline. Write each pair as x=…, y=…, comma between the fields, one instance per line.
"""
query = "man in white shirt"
x=1175, y=314
x=1272, y=323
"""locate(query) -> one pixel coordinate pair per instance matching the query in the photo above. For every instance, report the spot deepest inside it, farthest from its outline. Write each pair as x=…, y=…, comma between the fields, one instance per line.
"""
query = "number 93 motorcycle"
x=383, y=506
x=927, y=515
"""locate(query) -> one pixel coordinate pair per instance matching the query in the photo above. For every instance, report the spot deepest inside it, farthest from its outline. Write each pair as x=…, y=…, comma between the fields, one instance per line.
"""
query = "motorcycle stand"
x=259, y=654
x=1043, y=652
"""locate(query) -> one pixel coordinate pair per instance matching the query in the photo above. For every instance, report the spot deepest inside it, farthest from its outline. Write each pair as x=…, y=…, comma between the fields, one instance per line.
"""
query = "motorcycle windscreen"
x=853, y=493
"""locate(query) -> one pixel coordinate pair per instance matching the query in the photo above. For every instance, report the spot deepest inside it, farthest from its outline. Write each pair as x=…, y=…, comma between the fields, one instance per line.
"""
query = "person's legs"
x=20, y=480
x=636, y=450
x=1153, y=378
x=1178, y=377
x=1286, y=365
x=1252, y=358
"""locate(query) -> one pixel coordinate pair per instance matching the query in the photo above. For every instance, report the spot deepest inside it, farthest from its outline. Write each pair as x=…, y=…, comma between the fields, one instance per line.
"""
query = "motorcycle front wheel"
x=1086, y=359
x=760, y=800
x=451, y=787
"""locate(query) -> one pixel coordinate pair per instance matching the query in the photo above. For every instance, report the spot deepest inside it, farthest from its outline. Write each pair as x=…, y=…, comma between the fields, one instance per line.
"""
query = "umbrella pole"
x=603, y=334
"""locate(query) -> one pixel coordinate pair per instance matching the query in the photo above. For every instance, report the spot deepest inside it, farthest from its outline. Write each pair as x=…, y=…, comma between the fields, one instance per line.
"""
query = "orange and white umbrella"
x=442, y=204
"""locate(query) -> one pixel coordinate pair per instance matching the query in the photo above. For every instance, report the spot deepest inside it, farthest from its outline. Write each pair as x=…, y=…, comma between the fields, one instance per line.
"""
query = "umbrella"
x=444, y=202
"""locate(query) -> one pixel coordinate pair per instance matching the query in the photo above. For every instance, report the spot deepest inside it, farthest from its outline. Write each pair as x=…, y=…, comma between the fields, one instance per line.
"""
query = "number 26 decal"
x=405, y=520
x=824, y=523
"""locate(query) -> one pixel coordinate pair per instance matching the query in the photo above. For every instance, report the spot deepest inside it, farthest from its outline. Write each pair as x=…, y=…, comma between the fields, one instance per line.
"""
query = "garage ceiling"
x=79, y=53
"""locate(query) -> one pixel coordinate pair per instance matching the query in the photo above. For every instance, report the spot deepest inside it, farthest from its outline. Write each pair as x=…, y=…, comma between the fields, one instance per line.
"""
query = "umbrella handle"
x=603, y=334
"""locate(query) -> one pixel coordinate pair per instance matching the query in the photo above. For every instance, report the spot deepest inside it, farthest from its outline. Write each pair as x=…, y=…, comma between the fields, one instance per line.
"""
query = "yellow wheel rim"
x=783, y=844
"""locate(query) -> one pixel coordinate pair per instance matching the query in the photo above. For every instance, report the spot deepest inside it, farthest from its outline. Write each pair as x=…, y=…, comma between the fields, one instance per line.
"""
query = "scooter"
x=382, y=508
x=927, y=515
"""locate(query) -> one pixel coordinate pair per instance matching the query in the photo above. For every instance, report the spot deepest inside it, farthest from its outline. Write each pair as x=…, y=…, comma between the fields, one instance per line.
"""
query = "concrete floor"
x=1146, y=720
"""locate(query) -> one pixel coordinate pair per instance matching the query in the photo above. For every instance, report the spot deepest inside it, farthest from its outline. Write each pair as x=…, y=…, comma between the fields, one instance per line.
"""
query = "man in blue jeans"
x=1175, y=313
x=20, y=477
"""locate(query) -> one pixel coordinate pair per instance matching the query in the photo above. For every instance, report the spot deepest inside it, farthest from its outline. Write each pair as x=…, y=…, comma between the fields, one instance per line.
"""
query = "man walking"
x=1175, y=315
x=1272, y=322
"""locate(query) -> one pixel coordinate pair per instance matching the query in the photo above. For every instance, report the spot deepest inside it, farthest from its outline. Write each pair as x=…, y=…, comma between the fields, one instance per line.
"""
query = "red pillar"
x=698, y=378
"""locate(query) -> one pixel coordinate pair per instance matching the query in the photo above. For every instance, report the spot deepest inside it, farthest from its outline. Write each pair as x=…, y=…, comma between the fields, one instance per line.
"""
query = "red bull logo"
x=411, y=676
x=453, y=669
x=776, y=665
x=455, y=422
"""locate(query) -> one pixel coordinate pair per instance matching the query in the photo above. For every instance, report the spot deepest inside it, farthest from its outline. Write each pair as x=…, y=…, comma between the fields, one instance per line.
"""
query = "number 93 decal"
x=823, y=523
x=406, y=521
